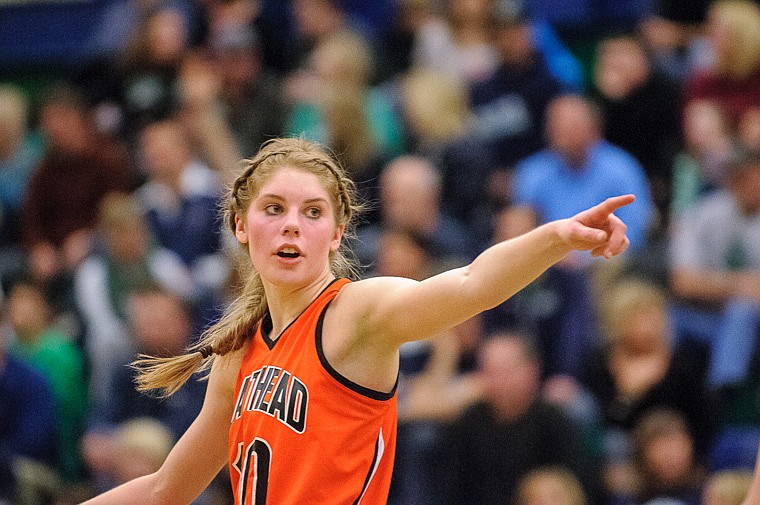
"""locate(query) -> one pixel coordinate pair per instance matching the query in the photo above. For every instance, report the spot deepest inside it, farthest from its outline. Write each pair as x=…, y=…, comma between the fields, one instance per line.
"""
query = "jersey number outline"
x=258, y=455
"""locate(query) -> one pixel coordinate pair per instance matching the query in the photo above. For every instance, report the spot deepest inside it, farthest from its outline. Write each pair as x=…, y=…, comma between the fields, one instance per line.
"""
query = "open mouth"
x=288, y=252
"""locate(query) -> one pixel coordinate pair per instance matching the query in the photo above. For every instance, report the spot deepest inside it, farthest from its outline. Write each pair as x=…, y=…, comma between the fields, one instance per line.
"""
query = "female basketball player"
x=303, y=366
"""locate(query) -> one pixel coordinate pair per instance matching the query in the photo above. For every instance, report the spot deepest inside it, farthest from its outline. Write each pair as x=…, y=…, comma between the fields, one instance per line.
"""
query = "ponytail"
x=167, y=375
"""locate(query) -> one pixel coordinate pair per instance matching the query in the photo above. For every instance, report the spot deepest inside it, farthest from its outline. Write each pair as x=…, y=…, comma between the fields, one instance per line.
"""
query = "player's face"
x=290, y=228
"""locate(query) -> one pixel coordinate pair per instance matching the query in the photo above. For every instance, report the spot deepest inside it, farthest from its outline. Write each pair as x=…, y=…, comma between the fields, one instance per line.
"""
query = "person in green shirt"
x=51, y=351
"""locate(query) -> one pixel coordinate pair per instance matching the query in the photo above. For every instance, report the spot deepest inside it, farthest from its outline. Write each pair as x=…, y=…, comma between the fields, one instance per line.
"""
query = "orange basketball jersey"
x=301, y=433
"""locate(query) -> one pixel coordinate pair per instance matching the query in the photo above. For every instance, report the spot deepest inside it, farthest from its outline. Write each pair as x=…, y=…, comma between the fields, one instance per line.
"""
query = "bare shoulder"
x=377, y=285
x=362, y=307
x=363, y=297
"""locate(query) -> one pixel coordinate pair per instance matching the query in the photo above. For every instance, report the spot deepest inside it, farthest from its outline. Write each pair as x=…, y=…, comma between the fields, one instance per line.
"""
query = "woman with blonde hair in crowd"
x=732, y=80
x=439, y=124
x=341, y=63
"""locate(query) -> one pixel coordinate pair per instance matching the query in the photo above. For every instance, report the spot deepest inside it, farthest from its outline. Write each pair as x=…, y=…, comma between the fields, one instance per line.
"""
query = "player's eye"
x=273, y=209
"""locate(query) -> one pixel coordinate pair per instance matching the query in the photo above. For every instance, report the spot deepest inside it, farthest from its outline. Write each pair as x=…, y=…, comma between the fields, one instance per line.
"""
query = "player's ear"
x=240, y=232
x=337, y=237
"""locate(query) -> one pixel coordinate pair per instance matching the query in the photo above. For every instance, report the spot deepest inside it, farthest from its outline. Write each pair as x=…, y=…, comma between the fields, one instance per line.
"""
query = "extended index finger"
x=613, y=203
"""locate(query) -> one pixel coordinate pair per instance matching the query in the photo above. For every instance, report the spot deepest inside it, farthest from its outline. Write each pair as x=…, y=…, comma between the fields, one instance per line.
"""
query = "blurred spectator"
x=439, y=126
x=550, y=486
x=733, y=78
x=120, y=32
x=435, y=110
x=181, y=201
x=394, y=53
x=341, y=65
x=61, y=200
x=49, y=350
x=726, y=487
x=640, y=110
x=551, y=48
x=160, y=326
x=435, y=388
x=140, y=448
x=497, y=441
x=708, y=144
x=410, y=191
x=27, y=419
x=125, y=258
x=229, y=16
x=119, y=21
x=301, y=27
x=664, y=454
x=201, y=116
x=674, y=36
x=560, y=60
x=19, y=154
x=147, y=70
x=250, y=94
x=458, y=41
x=137, y=84
x=291, y=29
x=715, y=264
x=641, y=368
x=509, y=105
x=577, y=168
x=316, y=20
x=444, y=386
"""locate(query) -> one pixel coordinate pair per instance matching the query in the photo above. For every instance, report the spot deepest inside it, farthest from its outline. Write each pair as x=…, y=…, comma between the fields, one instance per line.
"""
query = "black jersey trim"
x=358, y=388
x=266, y=328
x=267, y=325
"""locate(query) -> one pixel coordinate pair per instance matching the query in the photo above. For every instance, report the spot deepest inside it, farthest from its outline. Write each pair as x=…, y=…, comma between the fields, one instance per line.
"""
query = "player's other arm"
x=197, y=457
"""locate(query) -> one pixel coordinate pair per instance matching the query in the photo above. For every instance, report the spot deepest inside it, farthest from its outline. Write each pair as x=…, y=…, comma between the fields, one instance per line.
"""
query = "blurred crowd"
x=629, y=381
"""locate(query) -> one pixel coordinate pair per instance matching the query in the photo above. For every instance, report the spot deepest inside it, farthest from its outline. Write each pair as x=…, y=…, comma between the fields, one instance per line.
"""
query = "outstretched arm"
x=401, y=309
x=196, y=458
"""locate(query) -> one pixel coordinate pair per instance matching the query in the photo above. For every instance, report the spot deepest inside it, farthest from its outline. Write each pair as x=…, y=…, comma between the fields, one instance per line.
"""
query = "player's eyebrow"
x=275, y=196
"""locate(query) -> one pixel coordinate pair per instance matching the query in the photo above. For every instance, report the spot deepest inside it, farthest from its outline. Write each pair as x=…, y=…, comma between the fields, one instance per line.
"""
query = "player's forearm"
x=142, y=489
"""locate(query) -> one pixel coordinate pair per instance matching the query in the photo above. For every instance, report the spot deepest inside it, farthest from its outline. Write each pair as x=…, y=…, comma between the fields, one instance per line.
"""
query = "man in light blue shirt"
x=576, y=168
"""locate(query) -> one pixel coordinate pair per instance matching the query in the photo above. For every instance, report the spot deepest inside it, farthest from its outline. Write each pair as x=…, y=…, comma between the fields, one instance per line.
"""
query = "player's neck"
x=286, y=303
